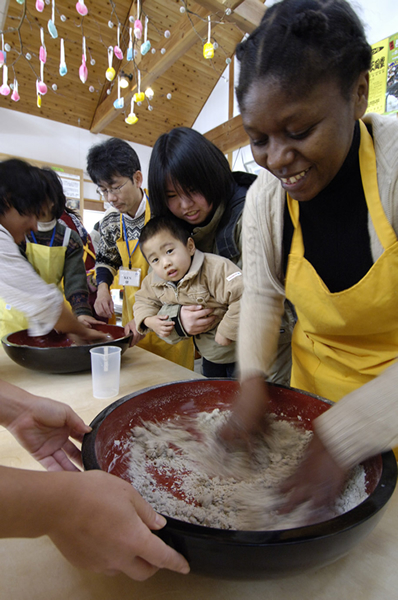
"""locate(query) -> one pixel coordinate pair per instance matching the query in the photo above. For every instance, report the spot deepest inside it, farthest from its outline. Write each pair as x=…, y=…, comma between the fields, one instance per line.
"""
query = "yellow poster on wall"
x=392, y=75
x=378, y=78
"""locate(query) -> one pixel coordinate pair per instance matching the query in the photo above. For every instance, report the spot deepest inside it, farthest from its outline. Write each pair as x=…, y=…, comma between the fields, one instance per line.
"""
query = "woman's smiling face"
x=302, y=141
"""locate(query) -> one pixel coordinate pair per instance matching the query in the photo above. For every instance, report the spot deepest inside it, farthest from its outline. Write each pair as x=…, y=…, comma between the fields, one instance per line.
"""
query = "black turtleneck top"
x=335, y=227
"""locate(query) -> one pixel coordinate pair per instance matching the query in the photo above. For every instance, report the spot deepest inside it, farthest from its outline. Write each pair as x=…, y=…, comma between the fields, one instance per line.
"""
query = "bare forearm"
x=28, y=500
x=13, y=401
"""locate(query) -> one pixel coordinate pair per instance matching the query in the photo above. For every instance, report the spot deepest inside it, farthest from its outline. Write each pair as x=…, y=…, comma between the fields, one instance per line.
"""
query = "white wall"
x=41, y=139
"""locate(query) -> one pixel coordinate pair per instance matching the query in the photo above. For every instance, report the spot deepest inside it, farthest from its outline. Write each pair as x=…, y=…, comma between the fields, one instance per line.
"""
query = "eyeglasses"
x=115, y=191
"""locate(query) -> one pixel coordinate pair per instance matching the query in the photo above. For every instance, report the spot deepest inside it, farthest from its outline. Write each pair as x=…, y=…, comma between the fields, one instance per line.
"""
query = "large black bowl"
x=239, y=554
x=56, y=352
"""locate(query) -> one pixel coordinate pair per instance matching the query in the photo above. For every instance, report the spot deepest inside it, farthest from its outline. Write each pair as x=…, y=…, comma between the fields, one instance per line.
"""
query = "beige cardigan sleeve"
x=364, y=422
x=262, y=304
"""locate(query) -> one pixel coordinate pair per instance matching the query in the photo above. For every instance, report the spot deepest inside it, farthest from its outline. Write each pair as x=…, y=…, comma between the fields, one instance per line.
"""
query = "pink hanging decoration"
x=15, y=96
x=83, y=71
x=5, y=89
x=117, y=50
x=81, y=8
x=39, y=5
x=137, y=23
x=41, y=86
x=43, y=51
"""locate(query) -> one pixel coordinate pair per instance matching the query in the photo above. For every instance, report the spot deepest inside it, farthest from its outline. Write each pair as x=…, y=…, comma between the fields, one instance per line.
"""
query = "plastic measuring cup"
x=105, y=370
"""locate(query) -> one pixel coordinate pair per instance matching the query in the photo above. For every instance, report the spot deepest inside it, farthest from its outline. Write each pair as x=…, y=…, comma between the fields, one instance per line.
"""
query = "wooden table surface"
x=35, y=570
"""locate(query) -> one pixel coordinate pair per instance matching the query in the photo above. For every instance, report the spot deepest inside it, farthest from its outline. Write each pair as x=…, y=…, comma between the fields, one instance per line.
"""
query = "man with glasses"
x=115, y=167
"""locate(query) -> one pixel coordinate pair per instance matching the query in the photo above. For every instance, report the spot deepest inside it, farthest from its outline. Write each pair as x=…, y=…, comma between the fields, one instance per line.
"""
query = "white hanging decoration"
x=62, y=64
x=119, y=102
x=146, y=46
x=149, y=93
x=83, y=71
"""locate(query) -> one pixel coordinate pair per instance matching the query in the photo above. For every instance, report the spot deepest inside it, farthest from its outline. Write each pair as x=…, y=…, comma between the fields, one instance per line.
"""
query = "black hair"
x=21, y=187
x=54, y=191
x=184, y=158
x=110, y=159
x=161, y=223
x=300, y=43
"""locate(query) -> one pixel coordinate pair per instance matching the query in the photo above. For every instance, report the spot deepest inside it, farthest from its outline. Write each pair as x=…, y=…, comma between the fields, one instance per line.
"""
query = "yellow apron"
x=181, y=353
x=48, y=262
x=343, y=340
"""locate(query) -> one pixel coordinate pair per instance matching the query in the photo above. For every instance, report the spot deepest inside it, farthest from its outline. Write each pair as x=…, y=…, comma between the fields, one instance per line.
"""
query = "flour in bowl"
x=181, y=469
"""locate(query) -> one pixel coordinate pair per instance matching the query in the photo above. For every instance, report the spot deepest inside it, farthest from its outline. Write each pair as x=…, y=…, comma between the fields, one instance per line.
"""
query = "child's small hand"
x=222, y=340
x=161, y=325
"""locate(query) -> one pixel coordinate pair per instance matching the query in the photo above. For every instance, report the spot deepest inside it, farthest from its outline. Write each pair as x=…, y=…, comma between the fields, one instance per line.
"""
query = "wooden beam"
x=246, y=14
x=229, y=136
x=183, y=37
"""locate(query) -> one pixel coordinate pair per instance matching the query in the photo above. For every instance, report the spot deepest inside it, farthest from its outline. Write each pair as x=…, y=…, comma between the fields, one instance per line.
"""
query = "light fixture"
x=125, y=79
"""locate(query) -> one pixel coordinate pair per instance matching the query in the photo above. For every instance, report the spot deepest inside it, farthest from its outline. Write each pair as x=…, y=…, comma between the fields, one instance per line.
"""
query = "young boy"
x=183, y=275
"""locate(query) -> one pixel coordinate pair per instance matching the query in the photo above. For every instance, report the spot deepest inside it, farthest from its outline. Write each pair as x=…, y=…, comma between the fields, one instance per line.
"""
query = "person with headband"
x=319, y=228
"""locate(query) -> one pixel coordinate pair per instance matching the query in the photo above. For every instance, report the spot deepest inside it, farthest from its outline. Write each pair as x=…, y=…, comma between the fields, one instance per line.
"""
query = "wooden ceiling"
x=180, y=70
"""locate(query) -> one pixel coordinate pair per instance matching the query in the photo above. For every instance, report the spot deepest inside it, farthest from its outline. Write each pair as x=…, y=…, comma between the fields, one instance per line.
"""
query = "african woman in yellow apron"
x=320, y=228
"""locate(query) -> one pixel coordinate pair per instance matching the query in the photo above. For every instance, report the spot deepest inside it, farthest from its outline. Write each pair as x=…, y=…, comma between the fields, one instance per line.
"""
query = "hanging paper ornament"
x=15, y=96
x=150, y=108
x=39, y=5
x=110, y=24
x=119, y=102
x=20, y=1
x=54, y=87
x=43, y=51
x=139, y=96
x=117, y=50
x=62, y=64
x=83, y=71
x=131, y=118
x=51, y=24
x=5, y=89
x=41, y=86
x=28, y=56
x=81, y=8
x=3, y=53
x=38, y=99
x=228, y=60
x=169, y=96
x=149, y=93
x=91, y=89
x=7, y=47
x=129, y=54
x=208, y=48
x=137, y=23
x=110, y=72
x=92, y=62
x=146, y=46
x=163, y=51
x=63, y=18
x=167, y=33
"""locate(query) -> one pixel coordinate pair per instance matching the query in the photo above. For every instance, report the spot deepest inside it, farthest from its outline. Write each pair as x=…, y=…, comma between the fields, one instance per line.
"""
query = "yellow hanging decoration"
x=131, y=118
x=208, y=48
x=139, y=96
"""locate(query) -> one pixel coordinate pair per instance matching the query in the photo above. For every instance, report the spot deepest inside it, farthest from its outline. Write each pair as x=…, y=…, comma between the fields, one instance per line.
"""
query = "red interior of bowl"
x=59, y=340
x=188, y=398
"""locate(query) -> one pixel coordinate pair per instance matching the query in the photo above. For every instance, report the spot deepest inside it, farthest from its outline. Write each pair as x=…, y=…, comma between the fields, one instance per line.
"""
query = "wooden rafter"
x=229, y=136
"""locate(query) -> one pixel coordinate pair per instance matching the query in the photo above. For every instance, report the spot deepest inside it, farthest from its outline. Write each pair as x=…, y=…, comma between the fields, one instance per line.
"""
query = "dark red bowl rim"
x=352, y=518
